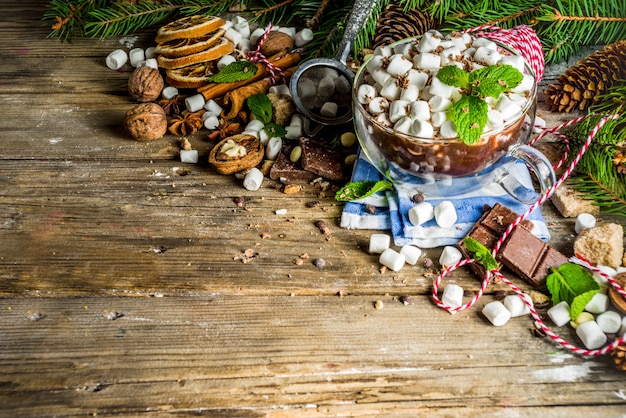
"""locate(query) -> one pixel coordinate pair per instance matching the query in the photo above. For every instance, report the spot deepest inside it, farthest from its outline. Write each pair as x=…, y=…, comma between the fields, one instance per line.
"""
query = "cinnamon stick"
x=282, y=60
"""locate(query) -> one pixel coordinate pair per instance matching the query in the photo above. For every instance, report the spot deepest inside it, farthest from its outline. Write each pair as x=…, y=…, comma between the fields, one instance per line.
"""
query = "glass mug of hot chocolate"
x=410, y=129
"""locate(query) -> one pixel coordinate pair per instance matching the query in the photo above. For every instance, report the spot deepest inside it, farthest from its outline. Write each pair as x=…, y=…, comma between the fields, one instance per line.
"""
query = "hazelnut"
x=146, y=122
x=276, y=42
x=145, y=84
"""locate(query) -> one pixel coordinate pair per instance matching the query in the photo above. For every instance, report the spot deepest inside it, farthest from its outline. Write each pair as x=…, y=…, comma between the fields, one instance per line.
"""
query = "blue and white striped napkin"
x=392, y=210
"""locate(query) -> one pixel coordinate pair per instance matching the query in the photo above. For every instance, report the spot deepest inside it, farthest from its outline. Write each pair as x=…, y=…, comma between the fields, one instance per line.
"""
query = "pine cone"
x=394, y=24
x=619, y=357
x=580, y=85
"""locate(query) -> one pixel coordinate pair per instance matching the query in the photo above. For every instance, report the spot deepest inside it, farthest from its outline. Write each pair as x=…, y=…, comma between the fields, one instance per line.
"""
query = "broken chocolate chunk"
x=321, y=160
x=284, y=168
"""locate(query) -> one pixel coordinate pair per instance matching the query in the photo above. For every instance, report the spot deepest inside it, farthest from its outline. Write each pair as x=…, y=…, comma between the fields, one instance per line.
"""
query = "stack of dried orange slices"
x=189, y=48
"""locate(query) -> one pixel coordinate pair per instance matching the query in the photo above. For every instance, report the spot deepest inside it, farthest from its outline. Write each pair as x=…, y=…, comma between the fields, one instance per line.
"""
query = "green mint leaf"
x=569, y=281
x=261, y=106
x=505, y=75
x=480, y=253
x=453, y=76
x=469, y=115
x=360, y=189
x=274, y=130
x=488, y=87
x=579, y=303
x=235, y=71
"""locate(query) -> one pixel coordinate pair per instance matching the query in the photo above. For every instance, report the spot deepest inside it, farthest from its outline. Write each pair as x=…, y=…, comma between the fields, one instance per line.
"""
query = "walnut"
x=276, y=42
x=146, y=122
x=236, y=153
x=145, y=84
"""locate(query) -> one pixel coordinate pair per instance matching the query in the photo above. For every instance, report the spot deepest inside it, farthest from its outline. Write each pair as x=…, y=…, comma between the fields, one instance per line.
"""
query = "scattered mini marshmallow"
x=211, y=121
x=150, y=62
x=445, y=214
x=559, y=313
x=169, y=92
x=213, y=107
x=303, y=37
x=195, y=102
x=253, y=179
x=392, y=259
x=274, y=145
x=379, y=243
x=421, y=213
x=411, y=253
x=189, y=156
x=496, y=313
x=516, y=305
x=116, y=59
x=450, y=255
x=591, y=335
x=289, y=30
x=452, y=295
x=598, y=304
x=136, y=56
x=224, y=61
x=149, y=53
x=233, y=35
x=584, y=221
x=254, y=125
x=279, y=89
x=609, y=322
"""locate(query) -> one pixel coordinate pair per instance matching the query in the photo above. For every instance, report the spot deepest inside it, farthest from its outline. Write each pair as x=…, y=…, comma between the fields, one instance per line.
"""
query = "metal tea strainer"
x=310, y=87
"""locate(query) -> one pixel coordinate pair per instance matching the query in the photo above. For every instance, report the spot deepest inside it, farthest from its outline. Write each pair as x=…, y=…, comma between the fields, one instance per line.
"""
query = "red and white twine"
x=524, y=40
x=256, y=56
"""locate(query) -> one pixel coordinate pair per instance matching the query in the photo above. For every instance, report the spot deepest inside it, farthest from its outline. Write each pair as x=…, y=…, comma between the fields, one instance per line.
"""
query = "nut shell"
x=145, y=84
x=276, y=42
x=146, y=122
x=226, y=165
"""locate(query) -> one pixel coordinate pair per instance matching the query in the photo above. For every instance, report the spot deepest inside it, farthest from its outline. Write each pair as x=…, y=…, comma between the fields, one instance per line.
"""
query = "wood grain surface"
x=124, y=291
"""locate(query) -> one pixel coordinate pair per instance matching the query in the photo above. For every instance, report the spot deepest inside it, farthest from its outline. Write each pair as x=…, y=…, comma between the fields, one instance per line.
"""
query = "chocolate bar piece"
x=529, y=257
x=320, y=160
x=488, y=230
x=283, y=167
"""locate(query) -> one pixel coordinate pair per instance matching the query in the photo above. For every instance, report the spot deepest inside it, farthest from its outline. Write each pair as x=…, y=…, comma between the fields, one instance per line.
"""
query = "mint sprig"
x=573, y=284
x=480, y=253
x=469, y=113
x=360, y=189
x=235, y=71
x=261, y=106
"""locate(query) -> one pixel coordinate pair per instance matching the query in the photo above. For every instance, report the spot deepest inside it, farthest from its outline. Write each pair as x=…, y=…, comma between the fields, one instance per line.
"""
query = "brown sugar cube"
x=320, y=160
x=603, y=245
x=570, y=203
x=529, y=257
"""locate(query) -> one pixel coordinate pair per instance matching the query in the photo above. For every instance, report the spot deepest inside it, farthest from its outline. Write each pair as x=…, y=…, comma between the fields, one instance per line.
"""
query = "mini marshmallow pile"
x=390, y=258
x=318, y=89
x=400, y=89
x=444, y=214
x=138, y=57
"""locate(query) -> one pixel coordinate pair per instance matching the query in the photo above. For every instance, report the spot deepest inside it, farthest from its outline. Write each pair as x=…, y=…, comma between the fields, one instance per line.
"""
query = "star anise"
x=187, y=123
x=224, y=130
x=171, y=106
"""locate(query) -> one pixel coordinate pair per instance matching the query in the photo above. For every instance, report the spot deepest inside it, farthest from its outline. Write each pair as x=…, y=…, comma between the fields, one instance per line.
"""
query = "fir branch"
x=66, y=20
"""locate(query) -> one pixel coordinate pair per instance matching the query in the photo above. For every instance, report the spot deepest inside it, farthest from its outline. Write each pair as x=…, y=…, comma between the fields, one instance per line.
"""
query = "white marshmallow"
x=452, y=295
x=429, y=42
x=494, y=119
x=303, y=37
x=383, y=120
x=243, y=28
x=326, y=87
x=390, y=90
x=426, y=60
x=445, y=214
x=591, y=335
x=365, y=93
x=136, y=56
x=438, y=118
x=150, y=52
x=422, y=129
x=487, y=56
x=279, y=89
x=211, y=122
x=392, y=259
x=398, y=109
x=599, y=303
x=378, y=105
x=264, y=137
x=509, y=109
x=213, y=107
x=496, y=313
x=306, y=89
x=329, y=110
x=256, y=34
x=484, y=42
x=253, y=179
x=584, y=221
x=233, y=35
x=516, y=306
x=411, y=253
x=409, y=93
x=384, y=51
x=189, y=156
x=439, y=103
x=516, y=61
x=421, y=213
x=403, y=125
x=449, y=54
x=374, y=63
x=609, y=271
x=450, y=255
x=439, y=88
x=254, y=125
x=169, y=92
x=293, y=132
x=195, y=102
x=381, y=76
x=609, y=322
x=236, y=20
x=559, y=314
x=417, y=78
x=342, y=85
x=289, y=30
x=526, y=85
x=224, y=61
x=448, y=130
x=296, y=120
x=399, y=65
x=273, y=147
x=539, y=125
x=150, y=62
x=379, y=243
x=419, y=110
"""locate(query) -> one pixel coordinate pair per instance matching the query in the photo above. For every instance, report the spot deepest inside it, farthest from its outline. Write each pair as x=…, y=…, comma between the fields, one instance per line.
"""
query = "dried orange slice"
x=188, y=27
x=216, y=51
x=192, y=76
x=187, y=46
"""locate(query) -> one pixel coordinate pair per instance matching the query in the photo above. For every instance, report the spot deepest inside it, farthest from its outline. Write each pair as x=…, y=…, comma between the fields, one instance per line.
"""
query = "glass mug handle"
x=538, y=164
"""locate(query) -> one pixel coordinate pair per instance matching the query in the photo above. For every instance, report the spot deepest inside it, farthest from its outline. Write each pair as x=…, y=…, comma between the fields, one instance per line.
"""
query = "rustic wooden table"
x=123, y=291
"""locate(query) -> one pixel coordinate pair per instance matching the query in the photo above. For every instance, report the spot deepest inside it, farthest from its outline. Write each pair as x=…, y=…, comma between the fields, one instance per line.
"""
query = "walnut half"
x=228, y=156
